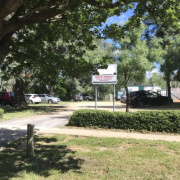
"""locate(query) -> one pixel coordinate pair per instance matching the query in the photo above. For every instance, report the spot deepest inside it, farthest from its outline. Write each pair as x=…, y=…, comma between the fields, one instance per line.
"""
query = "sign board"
x=104, y=79
x=106, y=76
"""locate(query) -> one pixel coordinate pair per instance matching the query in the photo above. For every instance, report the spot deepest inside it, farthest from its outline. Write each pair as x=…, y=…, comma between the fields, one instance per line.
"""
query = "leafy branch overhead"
x=16, y=14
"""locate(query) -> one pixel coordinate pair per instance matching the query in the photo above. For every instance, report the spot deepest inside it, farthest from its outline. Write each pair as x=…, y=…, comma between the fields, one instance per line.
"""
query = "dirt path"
x=109, y=133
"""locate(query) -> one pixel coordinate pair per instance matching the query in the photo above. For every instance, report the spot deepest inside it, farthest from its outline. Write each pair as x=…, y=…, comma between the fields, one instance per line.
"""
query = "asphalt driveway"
x=16, y=128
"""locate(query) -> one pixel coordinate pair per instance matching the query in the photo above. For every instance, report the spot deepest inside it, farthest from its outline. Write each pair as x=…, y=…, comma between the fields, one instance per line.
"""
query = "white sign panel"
x=106, y=76
x=104, y=79
x=112, y=69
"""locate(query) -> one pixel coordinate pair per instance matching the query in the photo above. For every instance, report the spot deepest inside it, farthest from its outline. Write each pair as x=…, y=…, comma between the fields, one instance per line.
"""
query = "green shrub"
x=155, y=121
x=1, y=113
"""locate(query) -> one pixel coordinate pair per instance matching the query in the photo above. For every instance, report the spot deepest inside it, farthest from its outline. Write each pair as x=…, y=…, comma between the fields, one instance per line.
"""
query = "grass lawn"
x=82, y=158
x=13, y=113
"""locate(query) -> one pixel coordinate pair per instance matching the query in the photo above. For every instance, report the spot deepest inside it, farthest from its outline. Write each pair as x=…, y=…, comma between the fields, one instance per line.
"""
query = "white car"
x=46, y=98
x=32, y=98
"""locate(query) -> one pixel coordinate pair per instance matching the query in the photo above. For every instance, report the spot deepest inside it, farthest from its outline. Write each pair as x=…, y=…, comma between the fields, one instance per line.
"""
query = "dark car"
x=87, y=97
x=6, y=98
x=143, y=98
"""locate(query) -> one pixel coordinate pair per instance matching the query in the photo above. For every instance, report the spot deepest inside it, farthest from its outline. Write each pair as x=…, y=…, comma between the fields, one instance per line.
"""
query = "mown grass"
x=11, y=112
x=83, y=158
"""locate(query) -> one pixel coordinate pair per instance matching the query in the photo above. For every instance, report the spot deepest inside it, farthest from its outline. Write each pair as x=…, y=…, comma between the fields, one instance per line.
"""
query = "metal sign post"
x=114, y=97
x=95, y=96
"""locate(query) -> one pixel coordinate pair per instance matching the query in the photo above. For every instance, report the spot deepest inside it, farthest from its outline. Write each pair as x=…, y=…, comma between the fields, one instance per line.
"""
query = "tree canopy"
x=16, y=14
x=132, y=59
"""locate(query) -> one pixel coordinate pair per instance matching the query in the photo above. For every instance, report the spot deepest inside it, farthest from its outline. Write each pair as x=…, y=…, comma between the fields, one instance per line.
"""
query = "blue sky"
x=120, y=20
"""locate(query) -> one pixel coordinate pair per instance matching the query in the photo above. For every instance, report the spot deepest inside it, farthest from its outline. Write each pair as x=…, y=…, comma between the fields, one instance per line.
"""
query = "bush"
x=154, y=121
x=1, y=113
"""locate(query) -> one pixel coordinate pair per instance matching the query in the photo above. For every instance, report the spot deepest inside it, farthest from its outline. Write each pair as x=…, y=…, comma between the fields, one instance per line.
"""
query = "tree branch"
x=7, y=7
x=108, y=4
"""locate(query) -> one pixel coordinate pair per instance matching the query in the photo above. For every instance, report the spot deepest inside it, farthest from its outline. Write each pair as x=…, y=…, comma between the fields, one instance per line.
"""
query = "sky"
x=120, y=20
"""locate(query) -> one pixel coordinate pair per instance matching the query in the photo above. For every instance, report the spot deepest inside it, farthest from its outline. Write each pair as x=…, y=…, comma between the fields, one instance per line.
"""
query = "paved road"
x=13, y=129
x=48, y=121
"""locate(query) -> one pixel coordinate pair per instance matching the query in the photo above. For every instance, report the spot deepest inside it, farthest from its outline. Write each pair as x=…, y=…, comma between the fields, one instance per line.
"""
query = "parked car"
x=87, y=97
x=123, y=98
x=6, y=98
x=32, y=98
x=142, y=98
x=47, y=98
x=78, y=97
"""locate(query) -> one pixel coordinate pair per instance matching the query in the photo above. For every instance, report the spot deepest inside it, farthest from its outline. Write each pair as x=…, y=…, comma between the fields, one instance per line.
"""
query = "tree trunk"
x=19, y=97
x=169, y=91
x=127, y=100
x=4, y=50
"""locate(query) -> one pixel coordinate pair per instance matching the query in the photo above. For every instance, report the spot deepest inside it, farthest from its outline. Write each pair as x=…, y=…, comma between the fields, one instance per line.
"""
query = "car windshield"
x=49, y=95
x=155, y=94
x=35, y=95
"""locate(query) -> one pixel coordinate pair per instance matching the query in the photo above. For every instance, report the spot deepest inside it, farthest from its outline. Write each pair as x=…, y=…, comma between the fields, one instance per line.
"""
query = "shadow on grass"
x=37, y=109
x=8, y=135
x=49, y=156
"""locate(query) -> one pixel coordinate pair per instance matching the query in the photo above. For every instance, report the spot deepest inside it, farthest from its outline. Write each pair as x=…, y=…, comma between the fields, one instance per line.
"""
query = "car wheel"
x=30, y=102
x=50, y=101
x=87, y=99
x=165, y=102
x=141, y=104
x=171, y=101
x=3, y=103
x=132, y=105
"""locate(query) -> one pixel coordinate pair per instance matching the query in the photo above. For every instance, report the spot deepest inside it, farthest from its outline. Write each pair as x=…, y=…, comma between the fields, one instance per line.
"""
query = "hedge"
x=1, y=113
x=154, y=121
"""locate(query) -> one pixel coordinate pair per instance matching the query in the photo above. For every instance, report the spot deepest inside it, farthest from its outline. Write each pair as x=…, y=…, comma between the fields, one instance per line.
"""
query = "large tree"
x=46, y=59
x=75, y=74
x=171, y=60
x=16, y=14
x=168, y=39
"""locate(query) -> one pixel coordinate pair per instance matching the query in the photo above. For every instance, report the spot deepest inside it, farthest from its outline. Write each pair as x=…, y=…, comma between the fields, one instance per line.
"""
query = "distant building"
x=143, y=87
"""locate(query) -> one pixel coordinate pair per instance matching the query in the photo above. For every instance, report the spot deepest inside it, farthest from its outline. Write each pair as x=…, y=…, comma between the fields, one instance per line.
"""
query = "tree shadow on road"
x=8, y=135
x=49, y=156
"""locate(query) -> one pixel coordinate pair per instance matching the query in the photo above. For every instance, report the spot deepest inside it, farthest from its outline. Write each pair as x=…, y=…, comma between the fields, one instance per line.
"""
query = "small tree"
x=132, y=59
